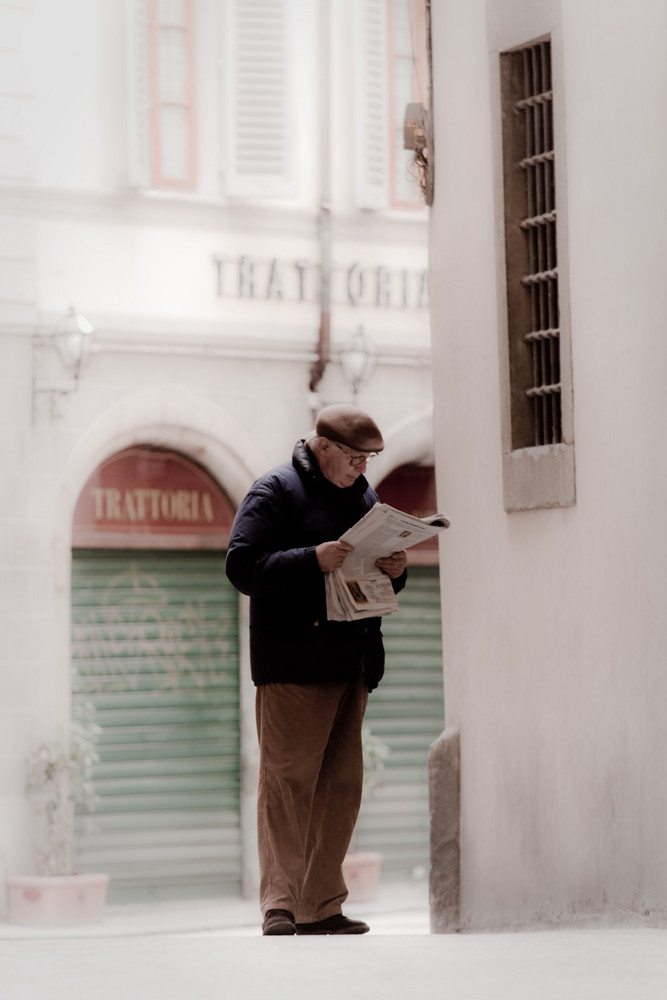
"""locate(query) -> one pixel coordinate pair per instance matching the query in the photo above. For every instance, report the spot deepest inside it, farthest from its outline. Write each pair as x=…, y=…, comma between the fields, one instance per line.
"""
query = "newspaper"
x=359, y=589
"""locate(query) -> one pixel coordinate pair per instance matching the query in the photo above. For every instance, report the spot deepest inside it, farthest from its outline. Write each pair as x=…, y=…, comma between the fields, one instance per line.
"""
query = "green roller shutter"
x=155, y=649
x=407, y=712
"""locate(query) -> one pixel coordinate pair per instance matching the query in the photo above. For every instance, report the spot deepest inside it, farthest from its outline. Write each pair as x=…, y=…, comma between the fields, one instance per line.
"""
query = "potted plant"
x=60, y=780
x=362, y=868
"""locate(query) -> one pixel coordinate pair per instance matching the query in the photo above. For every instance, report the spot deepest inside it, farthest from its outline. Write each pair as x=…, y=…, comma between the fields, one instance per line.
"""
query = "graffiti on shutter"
x=155, y=649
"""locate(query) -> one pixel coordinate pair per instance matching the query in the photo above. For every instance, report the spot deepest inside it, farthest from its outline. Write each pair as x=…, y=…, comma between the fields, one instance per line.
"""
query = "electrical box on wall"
x=417, y=136
x=414, y=127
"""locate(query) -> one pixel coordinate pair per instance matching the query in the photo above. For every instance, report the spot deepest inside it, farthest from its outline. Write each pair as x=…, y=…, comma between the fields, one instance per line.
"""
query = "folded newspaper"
x=359, y=589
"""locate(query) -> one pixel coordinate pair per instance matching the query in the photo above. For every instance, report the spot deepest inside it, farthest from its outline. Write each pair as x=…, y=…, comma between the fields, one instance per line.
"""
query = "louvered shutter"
x=155, y=649
x=138, y=92
x=258, y=99
x=407, y=712
x=372, y=104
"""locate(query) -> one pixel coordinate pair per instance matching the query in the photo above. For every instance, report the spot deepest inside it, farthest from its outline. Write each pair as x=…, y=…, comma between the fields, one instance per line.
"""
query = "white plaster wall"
x=222, y=379
x=79, y=48
x=554, y=628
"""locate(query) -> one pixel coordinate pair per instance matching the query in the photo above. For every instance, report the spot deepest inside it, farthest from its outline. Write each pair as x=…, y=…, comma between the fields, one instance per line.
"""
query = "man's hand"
x=394, y=564
x=332, y=555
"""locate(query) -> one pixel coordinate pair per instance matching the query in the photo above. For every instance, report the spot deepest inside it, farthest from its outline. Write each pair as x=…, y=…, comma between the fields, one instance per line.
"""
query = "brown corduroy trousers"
x=310, y=785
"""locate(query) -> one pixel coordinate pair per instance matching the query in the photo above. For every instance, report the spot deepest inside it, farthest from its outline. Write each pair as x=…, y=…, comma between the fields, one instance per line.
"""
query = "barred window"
x=531, y=246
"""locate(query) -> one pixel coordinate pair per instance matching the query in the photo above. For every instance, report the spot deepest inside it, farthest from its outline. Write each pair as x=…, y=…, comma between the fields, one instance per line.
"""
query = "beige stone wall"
x=553, y=619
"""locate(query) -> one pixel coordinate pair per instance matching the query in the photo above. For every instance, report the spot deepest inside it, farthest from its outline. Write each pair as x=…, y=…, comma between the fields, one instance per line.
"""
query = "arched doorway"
x=155, y=651
x=407, y=709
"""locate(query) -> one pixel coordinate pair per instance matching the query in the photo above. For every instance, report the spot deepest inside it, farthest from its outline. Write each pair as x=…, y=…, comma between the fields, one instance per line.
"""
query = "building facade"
x=549, y=358
x=206, y=214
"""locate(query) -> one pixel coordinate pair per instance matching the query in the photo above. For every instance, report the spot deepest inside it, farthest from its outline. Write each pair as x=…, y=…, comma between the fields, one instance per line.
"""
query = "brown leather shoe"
x=278, y=922
x=337, y=924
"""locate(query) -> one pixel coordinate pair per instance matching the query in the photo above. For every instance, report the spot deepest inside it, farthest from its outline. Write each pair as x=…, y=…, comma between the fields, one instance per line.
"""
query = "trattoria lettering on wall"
x=356, y=284
x=151, y=498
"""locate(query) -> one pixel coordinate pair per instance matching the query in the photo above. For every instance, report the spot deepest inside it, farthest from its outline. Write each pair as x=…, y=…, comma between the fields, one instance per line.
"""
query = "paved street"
x=563, y=965
x=215, y=950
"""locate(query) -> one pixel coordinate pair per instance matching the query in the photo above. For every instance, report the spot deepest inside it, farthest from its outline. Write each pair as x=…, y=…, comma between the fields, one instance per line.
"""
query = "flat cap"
x=349, y=425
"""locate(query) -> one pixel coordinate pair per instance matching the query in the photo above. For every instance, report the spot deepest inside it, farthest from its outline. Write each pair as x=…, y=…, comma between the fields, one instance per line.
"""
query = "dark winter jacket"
x=271, y=557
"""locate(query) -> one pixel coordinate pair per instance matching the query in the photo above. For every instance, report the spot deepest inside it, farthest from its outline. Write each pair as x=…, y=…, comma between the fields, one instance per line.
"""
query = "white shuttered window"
x=162, y=112
x=371, y=92
x=258, y=100
x=252, y=103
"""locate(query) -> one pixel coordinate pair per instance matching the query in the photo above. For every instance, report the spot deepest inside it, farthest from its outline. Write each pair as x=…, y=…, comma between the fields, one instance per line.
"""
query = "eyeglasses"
x=354, y=460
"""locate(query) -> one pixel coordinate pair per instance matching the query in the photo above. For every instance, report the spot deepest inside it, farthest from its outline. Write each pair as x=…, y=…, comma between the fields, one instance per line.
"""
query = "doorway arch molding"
x=408, y=442
x=171, y=417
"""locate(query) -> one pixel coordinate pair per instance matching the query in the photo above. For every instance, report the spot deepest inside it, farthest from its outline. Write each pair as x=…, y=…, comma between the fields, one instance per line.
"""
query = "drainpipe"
x=324, y=221
x=430, y=149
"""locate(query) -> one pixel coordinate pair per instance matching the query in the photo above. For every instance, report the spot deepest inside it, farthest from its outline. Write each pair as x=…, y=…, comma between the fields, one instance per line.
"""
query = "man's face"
x=341, y=465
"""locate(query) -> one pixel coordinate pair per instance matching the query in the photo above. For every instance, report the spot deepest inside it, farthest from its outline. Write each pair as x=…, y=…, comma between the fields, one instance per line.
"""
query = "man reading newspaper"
x=312, y=674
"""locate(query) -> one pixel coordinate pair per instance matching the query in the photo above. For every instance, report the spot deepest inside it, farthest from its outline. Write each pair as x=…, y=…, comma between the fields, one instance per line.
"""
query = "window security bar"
x=535, y=279
x=539, y=220
x=542, y=335
x=532, y=102
x=544, y=390
x=530, y=161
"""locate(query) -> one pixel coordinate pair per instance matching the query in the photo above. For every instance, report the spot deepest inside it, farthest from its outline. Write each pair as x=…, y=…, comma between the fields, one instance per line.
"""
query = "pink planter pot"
x=57, y=900
x=361, y=871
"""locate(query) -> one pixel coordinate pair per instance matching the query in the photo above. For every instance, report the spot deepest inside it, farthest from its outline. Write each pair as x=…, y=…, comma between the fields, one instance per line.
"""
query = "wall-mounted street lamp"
x=72, y=338
x=357, y=358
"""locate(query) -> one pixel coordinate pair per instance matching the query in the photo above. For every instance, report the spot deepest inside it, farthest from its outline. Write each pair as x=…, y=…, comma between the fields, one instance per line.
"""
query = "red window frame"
x=158, y=179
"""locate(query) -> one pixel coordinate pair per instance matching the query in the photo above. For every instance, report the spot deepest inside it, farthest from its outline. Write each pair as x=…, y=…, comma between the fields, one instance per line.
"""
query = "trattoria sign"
x=114, y=505
x=151, y=498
